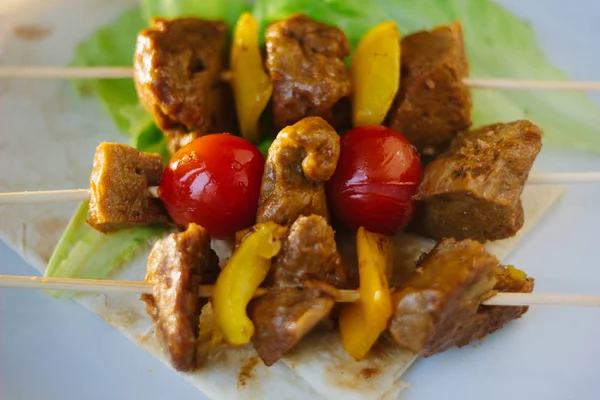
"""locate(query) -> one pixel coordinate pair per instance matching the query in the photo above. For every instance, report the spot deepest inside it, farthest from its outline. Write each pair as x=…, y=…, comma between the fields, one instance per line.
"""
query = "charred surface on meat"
x=176, y=266
x=177, y=73
x=119, y=185
x=300, y=160
x=284, y=315
x=473, y=189
x=440, y=305
x=305, y=60
x=433, y=104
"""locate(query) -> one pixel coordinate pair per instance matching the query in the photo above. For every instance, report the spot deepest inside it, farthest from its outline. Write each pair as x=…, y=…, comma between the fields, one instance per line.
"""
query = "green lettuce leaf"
x=113, y=46
x=228, y=10
x=82, y=252
x=354, y=17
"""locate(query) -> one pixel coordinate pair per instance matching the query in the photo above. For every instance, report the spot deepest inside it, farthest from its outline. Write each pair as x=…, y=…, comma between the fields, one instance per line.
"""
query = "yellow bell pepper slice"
x=375, y=74
x=244, y=272
x=362, y=322
x=251, y=85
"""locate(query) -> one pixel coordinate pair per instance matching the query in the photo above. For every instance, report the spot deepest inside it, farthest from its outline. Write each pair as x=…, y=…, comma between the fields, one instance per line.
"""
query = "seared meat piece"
x=300, y=160
x=440, y=305
x=177, y=73
x=300, y=297
x=305, y=60
x=473, y=189
x=119, y=185
x=309, y=254
x=284, y=315
x=433, y=104
x=176, y=266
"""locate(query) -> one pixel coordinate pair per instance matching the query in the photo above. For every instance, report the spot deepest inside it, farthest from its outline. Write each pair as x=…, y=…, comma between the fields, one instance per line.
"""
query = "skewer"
x=564, y=178
x=127, y=72
x=45, y=196
x=346, y=296
x=76, y=195
x=54, y=196
x=516, y=84
x=67, y=72
x=534, y=299
x=108, y=286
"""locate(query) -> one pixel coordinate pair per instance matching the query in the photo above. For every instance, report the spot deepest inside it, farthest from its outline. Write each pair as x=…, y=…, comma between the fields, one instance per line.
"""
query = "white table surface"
x=54, y=349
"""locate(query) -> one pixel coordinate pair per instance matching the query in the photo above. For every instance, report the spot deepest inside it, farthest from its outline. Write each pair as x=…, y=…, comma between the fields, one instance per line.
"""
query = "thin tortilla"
x=47, y=142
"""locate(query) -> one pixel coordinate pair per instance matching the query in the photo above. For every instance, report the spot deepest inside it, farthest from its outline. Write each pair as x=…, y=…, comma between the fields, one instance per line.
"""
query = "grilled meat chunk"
x=473, y=190
x=176, y=266
x=440, y=305
x=433, y=104
x=119, y=185
x=284, y=315
x=305, y=60
x=303, y=276
x=177, y=73
x=300, y=160
x=309, y=253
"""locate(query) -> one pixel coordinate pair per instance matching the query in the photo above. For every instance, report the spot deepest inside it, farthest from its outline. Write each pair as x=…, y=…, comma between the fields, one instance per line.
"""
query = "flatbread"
x=48, y=136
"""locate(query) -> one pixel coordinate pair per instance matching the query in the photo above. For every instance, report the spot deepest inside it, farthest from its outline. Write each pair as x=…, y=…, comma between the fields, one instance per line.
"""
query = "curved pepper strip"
x=244, y=272
x=251, y=85
x=362, y=322
x=375, y=74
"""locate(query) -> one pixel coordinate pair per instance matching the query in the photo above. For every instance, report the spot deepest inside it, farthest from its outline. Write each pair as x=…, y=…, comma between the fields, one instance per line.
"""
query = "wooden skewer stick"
x=45, y=196
x=517, y=84
x=56, y=196
x=564, y=178
x=108, y=286
x=346, y=296
x=534, y=299
x=67, y=72
x=75, y=73
x=127, y=72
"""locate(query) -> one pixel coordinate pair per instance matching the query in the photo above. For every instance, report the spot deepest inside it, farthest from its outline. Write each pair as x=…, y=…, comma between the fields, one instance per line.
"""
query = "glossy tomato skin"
x=376, y=178
x=214, y=181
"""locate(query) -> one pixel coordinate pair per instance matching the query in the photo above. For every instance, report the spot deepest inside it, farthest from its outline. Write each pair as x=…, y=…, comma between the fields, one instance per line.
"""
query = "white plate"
x=57, y=350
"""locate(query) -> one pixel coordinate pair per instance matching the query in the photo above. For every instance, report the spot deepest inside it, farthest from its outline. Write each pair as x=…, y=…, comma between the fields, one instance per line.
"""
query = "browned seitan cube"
x=301, y=295
x=305, y=59
x=473, y=190
x=309, y=253
x=285, y=315
x=119, y=185
x=433, y=104
x=177, y=264
x=439, y=307
x=177, y=73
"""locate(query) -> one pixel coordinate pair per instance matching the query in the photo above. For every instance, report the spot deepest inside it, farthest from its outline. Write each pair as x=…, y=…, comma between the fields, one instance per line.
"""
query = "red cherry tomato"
x=378, y=173
x=214, y=181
